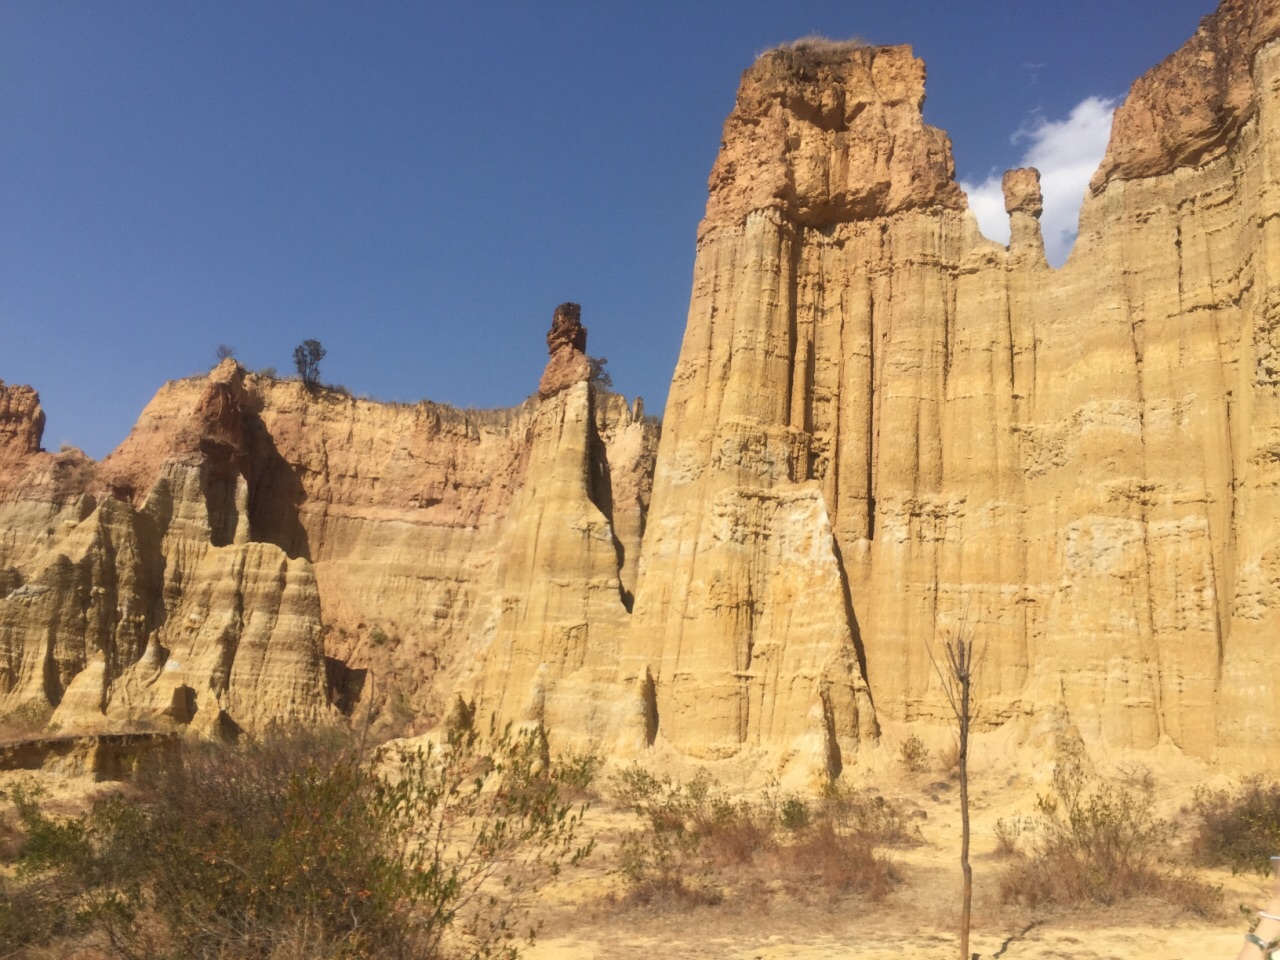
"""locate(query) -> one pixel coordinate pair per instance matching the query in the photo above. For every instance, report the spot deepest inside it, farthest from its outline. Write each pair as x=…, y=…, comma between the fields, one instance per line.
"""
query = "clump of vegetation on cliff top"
x=298, y=845
x=816, y=50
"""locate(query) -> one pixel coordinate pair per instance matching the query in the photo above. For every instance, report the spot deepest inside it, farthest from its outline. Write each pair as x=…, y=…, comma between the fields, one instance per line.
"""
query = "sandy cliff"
x=874, y=401
x=258, y=551
x=883, y=428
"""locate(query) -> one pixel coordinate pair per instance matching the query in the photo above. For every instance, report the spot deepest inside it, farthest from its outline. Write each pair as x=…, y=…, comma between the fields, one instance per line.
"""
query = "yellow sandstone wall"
x=883, y=428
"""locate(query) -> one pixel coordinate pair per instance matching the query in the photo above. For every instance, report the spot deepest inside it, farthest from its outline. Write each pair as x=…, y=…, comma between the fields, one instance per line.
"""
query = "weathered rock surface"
x=1189, y=109
x=883, y=429
x=162, y=610
x=872, y=399
x=254, y=546
x=21, y=422
x=567, y=346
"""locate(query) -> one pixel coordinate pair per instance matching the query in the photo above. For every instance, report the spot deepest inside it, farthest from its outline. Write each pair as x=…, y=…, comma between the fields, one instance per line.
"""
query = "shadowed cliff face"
x=883, y=428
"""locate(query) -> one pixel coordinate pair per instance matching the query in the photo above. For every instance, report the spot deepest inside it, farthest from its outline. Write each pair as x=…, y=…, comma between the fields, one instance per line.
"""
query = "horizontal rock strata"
x=1075, y=466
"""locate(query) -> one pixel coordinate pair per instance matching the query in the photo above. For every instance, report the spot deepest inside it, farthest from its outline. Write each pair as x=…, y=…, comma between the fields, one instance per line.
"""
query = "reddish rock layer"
x=1185, y=111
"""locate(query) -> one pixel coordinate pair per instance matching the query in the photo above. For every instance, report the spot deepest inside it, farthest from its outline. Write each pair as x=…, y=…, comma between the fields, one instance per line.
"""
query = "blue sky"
x=417, y=185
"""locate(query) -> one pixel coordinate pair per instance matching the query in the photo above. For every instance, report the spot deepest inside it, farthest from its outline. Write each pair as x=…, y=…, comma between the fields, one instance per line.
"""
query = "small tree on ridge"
x=306, y=357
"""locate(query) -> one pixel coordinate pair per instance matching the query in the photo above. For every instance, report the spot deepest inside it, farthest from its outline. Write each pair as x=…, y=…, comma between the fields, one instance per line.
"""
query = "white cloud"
x=1066, y=152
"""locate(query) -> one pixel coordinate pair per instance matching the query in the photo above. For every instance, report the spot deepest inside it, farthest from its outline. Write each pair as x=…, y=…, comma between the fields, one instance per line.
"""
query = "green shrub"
x=1101, y=843
x=576, y=773
x=663, y=861
x=296, y=844
x=1239, y=829
x=794, y=814
x=914, y=755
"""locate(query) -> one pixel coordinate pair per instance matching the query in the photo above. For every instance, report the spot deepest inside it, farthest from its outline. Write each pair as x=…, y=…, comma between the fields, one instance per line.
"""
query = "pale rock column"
x=1024, y=203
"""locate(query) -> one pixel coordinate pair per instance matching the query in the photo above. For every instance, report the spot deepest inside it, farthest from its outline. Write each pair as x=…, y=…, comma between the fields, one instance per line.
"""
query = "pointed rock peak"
x=567, y=347
x=217, y=425
x=228, y=370
x=21, y=420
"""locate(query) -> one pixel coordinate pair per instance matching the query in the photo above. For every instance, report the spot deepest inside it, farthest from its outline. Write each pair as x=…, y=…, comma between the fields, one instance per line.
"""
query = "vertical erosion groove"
x=792, y=237
x=649, y=701
x=851, y=618
x=873, y=379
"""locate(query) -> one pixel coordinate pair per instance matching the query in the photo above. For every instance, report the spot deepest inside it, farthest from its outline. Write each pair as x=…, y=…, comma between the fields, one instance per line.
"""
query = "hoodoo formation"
x=882, y=427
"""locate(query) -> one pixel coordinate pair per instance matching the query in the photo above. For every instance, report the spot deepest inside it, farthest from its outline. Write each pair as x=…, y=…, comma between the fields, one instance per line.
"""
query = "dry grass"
x=697, y=847
x=823, y=858
x=813, y=51
x=1239, y=829
x=1101, y=842
x=817, y=46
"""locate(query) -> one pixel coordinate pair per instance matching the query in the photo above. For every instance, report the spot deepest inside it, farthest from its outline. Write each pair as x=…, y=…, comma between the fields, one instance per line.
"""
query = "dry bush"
x=33, y=913
x=949, y=761
x=576, y=773
x=1239, y=829
x=1136, y=775
x=1101, y=843
x=1007, y=833
x=664, y=862
x=692, y=833
x=297, y=844
x=837, y=862
x=840, y=849
x=11, y=840
x=868, y=815
x=913, y=754
x=736, y=833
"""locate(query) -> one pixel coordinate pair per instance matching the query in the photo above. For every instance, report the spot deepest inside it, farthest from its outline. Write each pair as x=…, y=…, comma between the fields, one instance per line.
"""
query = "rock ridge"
x=1189, y=107
x=254, y=549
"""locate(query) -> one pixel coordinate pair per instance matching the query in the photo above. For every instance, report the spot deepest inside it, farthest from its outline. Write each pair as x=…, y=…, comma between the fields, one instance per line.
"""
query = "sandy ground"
x=920, y=918
x=583, y=914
